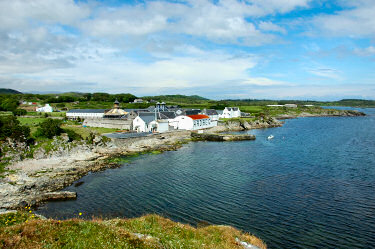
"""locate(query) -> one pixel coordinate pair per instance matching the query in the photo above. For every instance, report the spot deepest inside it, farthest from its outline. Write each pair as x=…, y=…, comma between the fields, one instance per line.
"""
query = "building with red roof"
x=193, y=122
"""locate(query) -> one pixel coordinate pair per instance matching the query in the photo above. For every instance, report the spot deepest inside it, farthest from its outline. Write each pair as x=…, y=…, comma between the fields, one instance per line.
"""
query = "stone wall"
x=123, y=124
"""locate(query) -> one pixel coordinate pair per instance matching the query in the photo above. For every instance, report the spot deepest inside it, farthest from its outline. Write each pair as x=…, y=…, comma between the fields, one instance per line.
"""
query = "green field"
x=50, y=114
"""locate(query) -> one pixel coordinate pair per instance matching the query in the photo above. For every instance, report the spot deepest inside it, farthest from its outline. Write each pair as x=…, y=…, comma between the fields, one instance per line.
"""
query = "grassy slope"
x=21, y=230
x=33, y=123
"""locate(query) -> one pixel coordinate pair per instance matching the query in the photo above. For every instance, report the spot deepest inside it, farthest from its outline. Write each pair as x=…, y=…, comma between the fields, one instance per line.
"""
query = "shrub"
x=73, y=135
x=19, y=112
x=90, y=138
x=49, y=128
x=10, y=128
x=60, y=105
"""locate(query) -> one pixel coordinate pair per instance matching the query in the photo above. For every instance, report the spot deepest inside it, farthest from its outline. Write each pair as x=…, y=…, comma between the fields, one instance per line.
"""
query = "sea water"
x=312, y=186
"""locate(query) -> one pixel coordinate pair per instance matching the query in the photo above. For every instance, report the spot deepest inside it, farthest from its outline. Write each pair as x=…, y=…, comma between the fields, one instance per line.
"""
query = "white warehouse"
x=85, y=113
x=193, y=122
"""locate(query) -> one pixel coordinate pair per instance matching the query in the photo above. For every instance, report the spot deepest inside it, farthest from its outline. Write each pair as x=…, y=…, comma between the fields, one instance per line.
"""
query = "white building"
x=231, y=112
x=142, y=122
x=151, y=122
x=291, y=105
x=193, y=122
x=85, y=113
x=46, y=108
x=139, y=101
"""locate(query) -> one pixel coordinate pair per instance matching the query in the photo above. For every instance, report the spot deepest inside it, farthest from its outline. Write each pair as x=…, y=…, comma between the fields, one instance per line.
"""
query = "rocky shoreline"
x=33, y=181
x=323, y=113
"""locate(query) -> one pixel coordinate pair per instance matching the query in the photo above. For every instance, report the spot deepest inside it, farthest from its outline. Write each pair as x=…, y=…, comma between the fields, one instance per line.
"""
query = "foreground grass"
x=22, y=230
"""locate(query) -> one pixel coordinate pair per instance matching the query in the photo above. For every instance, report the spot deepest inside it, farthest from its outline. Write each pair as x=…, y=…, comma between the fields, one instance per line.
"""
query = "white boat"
x=270, y=137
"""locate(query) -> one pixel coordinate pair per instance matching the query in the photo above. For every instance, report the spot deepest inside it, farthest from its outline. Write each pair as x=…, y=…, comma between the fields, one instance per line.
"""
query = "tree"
x=49, y=128
x=10, y=128
x=8, y=104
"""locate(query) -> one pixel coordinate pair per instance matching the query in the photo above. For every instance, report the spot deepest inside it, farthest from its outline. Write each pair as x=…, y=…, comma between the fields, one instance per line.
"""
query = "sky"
x=219, y=49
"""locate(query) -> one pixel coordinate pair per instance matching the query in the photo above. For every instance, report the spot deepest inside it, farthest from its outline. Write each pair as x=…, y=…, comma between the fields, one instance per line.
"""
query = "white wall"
x=46, y=108
x=160, y=126
x=139, y=125
x=187, y=123
x=84, y=115
x=183, y=123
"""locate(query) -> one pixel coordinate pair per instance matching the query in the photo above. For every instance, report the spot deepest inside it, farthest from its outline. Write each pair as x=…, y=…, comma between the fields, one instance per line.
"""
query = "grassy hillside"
x=178, y=98
x=24, y=230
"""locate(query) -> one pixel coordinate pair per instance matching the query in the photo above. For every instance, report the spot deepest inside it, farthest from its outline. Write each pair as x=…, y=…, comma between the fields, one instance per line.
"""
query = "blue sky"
x=274, y=49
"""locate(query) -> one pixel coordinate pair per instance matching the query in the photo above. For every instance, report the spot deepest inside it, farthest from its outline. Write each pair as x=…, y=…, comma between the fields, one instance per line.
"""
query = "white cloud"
x=261, y=81
x=369, y=51
x=224, y=21
x=22, y=13
x=357, y=21
x=269, y=26
x=326, y=73
x=98, y=64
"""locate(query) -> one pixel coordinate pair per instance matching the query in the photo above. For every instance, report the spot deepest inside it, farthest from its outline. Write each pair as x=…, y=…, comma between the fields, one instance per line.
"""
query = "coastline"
x=33, y=181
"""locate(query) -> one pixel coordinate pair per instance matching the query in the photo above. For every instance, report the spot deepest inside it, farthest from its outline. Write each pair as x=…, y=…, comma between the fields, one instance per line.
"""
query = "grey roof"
x=232, y=108
x=209, y=112
x=219, y=112
x=87, y=110
x=148, y=117
x=135, y=110
x=192, y=112
x=168, y=115
x=151, y=108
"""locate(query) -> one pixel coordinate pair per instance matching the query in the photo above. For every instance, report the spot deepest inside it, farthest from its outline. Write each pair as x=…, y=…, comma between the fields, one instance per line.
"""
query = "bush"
x=90, y=138
x=49, y=128
x=19, y=112
x=10, y=128
x=73, y=135
x=60, y=105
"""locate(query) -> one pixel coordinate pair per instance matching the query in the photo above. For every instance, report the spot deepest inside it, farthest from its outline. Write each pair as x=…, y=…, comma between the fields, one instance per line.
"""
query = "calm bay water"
x=312, y=186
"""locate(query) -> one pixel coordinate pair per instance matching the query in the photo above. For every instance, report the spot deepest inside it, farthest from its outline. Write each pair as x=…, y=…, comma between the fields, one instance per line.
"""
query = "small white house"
x=141, y=123
x=231, y=112
x=46, y=108
x=85, y=113
x=147, y=122
x=193, y=122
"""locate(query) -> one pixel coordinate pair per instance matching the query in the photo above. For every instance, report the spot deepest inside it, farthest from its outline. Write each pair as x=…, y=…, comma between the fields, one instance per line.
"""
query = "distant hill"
x=178, y=98
x=9, y=91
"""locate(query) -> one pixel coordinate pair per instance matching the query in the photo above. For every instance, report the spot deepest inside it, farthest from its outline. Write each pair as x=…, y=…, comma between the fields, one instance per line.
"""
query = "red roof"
x=198, y=116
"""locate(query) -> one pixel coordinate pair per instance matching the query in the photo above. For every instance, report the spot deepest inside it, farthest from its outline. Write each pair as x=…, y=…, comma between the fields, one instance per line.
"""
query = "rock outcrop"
x=241, y=125
x=32, y=181
x=221, y=137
